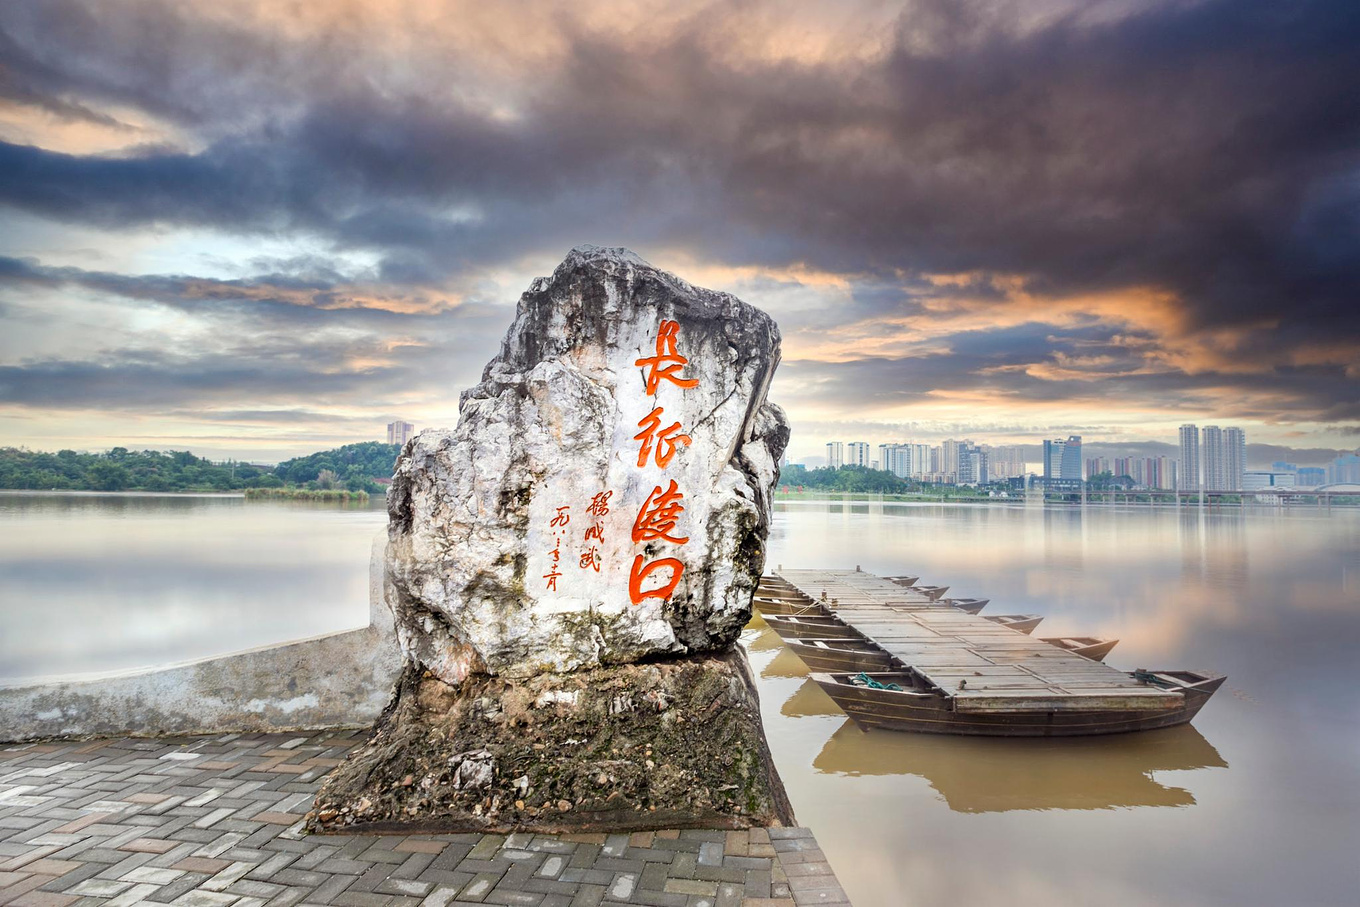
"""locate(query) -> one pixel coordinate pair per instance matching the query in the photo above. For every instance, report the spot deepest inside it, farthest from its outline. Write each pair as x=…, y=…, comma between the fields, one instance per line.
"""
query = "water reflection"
x=809, y=700
x=1269, y=598
x=995, y=775
x=100, y=582
x=784, y=664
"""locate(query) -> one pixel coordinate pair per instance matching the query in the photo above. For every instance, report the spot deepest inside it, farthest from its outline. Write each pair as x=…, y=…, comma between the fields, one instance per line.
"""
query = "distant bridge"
x=1341, y=493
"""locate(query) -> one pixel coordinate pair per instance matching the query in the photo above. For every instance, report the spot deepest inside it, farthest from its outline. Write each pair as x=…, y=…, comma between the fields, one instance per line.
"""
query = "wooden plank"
x=1002, y=668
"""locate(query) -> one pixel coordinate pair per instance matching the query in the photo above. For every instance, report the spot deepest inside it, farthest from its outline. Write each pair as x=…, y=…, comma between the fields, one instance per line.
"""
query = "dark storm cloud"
x=1211, y=150
x=277, y=301
x=151, y=380
x=1032, y=371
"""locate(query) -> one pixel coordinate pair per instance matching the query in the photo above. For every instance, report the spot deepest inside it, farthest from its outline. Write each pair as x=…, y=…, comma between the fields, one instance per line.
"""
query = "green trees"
x=121, y=469
x=353, y=467
x=854, y=479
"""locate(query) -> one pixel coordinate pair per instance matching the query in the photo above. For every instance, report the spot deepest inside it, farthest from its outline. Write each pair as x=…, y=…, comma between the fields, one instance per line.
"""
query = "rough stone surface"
x=553, y=424
x=675, y=743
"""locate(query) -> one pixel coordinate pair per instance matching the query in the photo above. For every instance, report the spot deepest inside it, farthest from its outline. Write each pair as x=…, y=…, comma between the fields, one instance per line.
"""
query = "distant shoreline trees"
x=352, y=467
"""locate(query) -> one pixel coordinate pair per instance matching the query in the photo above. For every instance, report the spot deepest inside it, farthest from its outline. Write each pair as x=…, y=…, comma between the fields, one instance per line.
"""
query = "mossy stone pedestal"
x=674, y=743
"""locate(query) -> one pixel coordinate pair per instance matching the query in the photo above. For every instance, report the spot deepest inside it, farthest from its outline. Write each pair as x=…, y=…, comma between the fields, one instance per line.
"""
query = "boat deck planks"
x=980, y=664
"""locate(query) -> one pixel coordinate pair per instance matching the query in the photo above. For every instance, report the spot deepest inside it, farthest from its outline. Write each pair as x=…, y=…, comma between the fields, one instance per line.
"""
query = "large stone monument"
x=570, y=567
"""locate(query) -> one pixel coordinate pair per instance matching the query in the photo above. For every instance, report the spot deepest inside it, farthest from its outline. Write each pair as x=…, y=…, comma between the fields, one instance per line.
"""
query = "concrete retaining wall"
x=337, y=680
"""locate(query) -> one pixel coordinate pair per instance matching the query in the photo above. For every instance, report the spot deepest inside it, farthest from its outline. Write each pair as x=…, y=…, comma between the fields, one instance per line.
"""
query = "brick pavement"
x=217, y=822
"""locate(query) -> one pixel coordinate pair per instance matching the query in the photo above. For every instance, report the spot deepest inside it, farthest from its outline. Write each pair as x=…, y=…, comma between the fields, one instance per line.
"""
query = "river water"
x=1257, y=803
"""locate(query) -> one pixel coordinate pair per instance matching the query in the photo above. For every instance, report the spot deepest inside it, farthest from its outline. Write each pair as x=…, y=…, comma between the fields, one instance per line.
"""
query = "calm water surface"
x=102, y=582
x=1257, y=804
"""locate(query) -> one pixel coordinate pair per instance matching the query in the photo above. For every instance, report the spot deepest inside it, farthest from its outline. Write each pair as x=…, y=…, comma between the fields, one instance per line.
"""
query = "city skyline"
x=243, y=230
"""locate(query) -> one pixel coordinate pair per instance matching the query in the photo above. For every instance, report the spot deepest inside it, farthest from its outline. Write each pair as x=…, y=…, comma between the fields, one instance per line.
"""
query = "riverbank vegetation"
x=353, y=468
x=799, y=481
x=306, y=494
x=121, y=469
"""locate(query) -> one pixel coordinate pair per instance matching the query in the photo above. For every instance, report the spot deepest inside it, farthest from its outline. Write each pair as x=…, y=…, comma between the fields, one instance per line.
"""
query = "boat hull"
x=1025, y=623
x=1095, y=649
x=831, y=655
x=795, y=627
x=773, y=606
x=971, y=605
x=930, y=713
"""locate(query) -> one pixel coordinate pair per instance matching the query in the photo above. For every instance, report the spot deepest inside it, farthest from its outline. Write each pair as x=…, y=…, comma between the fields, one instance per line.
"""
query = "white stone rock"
x=477, y=530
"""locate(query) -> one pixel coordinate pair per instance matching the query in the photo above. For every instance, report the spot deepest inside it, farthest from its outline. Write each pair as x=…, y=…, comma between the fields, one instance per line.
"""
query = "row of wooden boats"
x=894, y=654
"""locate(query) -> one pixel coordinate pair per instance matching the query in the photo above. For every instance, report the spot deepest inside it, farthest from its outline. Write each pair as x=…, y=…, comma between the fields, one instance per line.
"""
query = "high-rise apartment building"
x=1311, y=476
x=885, y=457
x=400, y=432
x=1071, y=458
x=949, y=459
x=835, y=454
x=1005, y=462
x=1213, y=461
x=1053, y=459
x=1345, y=469
x=1224, y=453
x=972, y=465
x=1189, y=461
x=1235, y=457
x=1062, y=460
x=857, y=453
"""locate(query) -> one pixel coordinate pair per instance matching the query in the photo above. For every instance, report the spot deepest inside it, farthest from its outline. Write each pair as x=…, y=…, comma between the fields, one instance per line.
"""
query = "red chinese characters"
x=558, y=524
x=667, y=362
x=590, y=555
x=642, y=570
x=659, y=517
x=663, y=440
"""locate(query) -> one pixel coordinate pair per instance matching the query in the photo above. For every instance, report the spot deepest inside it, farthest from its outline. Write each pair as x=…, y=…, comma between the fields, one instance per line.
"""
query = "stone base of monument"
x=674, y=743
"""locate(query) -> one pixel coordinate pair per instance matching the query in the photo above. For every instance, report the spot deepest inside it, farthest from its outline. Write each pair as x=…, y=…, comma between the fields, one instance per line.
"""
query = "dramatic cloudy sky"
x=262, y=228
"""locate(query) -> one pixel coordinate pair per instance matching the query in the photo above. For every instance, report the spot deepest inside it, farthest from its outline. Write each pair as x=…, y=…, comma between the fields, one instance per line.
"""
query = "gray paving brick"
x=587, y=876
x=710, y=854
x=361, y=899
x=331, y=888
x=166, y=894
x=99, y=812
x=445, y=878
x=479, y=887
x=518, y=898
x=659, y=898
x=589, y=896
x=410, y=887
x=413, y=866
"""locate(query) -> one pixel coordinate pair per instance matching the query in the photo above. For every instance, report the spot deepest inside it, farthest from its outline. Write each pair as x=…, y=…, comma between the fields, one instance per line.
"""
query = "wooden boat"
x=809, y=626
x=776, y=595
x=1091, y=647
x=971, y=605
x=769, y=606
x=1025, y=623
x=906, y=700
x=935, y=593
x=832, y=654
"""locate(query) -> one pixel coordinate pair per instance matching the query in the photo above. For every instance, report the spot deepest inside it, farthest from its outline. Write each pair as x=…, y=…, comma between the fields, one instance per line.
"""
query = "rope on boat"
x=864, y=680
x=1149, y=678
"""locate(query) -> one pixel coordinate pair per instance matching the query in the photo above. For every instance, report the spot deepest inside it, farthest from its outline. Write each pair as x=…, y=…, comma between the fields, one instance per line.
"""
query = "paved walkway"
x=217, y=822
